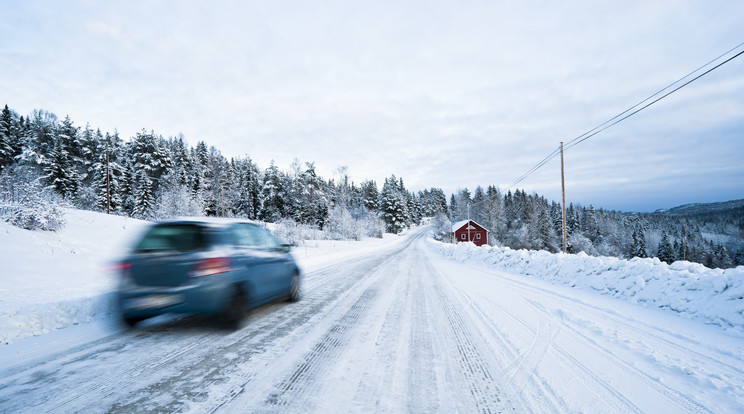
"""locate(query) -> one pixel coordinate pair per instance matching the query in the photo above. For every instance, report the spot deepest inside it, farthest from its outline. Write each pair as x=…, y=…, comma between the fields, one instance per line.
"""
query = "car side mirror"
x=285, y=248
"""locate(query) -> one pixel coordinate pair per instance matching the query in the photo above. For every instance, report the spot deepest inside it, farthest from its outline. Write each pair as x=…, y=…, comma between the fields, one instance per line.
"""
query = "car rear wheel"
x=294, y=288
x=235, y=311
x=130, y=321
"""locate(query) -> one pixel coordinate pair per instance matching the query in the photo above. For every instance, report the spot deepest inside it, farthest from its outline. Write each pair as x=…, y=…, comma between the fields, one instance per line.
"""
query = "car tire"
x=130, y=321
x=295, y=291
x=235, y=311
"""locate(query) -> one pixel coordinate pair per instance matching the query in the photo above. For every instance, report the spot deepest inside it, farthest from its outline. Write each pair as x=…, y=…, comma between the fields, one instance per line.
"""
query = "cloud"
x=444, y=94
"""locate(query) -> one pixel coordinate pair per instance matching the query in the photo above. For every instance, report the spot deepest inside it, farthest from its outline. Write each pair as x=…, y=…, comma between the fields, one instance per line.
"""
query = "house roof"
x=460, y=224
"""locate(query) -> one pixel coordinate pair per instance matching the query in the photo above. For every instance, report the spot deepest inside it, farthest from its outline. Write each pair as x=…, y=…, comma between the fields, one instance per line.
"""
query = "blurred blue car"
x=205, y=266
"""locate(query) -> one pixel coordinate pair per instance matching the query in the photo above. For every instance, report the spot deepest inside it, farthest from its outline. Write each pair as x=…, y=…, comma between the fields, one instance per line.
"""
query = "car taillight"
x=211, y=266
x=123, y=269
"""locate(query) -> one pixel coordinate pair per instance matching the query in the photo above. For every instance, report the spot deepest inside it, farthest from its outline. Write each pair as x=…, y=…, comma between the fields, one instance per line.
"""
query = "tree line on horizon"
x=46, y=161
x=523, y=221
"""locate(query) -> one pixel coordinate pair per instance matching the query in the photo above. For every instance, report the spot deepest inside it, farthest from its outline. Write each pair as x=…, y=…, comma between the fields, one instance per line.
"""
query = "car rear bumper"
x=204, y=298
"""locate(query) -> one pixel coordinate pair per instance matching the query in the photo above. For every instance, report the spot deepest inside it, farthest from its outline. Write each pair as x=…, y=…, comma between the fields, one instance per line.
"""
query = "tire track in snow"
x=478, y=380
x=295, y=389
x=605, y=391
x=614, y=319
x=377, y=383
x=521, y=370
x=424, y=388
x=681, y=400
x=47, y=380
x=520, y=365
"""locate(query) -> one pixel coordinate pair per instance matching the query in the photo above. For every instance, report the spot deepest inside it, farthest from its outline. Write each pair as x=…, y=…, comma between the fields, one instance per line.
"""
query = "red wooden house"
x=468, y=230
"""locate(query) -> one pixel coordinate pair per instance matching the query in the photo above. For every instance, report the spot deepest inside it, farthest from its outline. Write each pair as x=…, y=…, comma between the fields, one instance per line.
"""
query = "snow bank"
x=51, y=280
x=713, y=296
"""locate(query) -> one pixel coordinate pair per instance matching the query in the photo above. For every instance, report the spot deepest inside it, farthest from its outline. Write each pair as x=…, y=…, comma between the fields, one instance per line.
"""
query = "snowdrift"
x=51, y=280
x=713, y=296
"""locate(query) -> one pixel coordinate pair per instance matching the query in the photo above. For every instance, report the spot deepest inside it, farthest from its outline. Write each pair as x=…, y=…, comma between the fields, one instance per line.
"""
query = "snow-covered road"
x=398, y=330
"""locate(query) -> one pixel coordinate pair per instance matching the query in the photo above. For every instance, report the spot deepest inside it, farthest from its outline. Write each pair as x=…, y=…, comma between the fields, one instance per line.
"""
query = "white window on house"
x=462, y=236
x=477, y=236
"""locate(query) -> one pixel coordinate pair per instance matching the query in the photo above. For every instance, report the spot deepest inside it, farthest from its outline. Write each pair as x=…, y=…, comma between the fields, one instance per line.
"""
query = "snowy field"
x=400, y=324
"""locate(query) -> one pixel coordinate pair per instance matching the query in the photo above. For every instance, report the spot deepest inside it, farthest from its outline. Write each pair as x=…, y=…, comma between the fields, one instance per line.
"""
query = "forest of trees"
x=45, y=163
x=152, y=177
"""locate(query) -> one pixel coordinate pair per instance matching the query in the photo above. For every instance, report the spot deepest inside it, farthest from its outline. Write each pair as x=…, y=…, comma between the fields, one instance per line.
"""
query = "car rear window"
x=173, y=237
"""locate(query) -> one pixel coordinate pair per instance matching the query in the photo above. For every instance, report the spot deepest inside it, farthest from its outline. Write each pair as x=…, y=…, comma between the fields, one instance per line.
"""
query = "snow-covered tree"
x=665, y=252
x=370, y=195
x=144, y=199
x=638, y=248
x=272, y=195
x=60, y=171
x=174, y=199
x=7, y=137
x=393, y=206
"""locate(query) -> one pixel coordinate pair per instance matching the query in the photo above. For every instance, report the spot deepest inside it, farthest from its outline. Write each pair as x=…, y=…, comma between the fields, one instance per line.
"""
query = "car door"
x=256, y=267
x=280, y=262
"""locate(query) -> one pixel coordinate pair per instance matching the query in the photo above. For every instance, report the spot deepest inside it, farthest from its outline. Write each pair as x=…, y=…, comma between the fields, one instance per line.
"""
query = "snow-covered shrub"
x=442, y=228
x=26, y=204
x=176, y=200
x=290, y=232
x=372, y=225
x=577, y=242
x=341, y=226
x=85, y=199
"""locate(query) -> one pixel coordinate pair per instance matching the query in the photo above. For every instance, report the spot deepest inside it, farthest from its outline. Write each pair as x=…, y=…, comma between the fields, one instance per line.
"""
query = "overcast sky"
x=448, y=94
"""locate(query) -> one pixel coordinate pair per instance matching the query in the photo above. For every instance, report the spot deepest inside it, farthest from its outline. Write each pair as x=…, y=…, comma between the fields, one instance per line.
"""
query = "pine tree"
x=638, y=248
x=248, y=188
x=127, y=187
x=479, y=206
x=148, y=153
x=143, y=196
x=107, y=174
x=573, y=222
x=60, y=173
x=393, y=206
x=6, y=137
x=463, y=204
x=665, y=252
x=738, y=258
x=453, y=207
x=370, y=195
x=590, y=225
x=314, y=202
x=722, y=257
x=272, y=196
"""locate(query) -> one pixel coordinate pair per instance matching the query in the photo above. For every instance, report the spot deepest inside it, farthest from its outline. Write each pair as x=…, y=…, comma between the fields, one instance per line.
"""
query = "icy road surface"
x=400, y=330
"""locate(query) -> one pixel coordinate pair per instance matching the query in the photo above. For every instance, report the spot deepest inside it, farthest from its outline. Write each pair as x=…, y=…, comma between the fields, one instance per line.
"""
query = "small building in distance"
x=468, y=230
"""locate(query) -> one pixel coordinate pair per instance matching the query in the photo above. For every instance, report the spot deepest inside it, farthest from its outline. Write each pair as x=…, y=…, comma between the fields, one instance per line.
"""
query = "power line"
x=632, y=110
x=657, y=93
x=577, y=141
x=536, y=166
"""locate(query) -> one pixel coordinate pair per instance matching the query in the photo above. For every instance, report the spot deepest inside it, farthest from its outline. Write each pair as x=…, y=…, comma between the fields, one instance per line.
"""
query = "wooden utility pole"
x=563, y=185
x=108, y=190
x=468, y=222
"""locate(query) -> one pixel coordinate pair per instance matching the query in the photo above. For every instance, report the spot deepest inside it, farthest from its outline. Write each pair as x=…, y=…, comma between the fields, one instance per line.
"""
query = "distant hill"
x=726, y=208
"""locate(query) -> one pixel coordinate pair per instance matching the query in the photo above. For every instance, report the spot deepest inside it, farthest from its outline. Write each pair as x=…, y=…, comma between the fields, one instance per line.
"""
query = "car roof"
x=209, y=221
